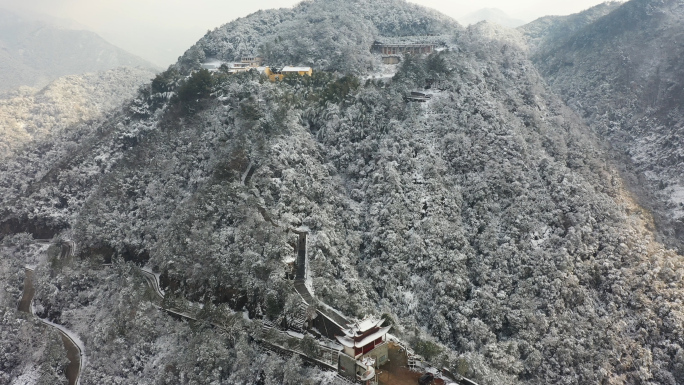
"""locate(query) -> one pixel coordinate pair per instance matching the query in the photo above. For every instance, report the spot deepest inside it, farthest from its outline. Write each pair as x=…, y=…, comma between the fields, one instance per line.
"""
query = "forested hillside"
x=623, y=74
x=487, y=222
x=34, y=53
x=327, y=35
x=28, y=114
x=549, y=32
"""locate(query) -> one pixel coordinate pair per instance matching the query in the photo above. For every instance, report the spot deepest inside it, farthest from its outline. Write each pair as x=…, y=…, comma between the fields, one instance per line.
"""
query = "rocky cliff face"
x=487, y=222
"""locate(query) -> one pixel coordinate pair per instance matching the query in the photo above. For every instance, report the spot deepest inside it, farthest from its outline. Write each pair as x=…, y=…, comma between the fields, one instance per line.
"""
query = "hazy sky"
x=161, y=30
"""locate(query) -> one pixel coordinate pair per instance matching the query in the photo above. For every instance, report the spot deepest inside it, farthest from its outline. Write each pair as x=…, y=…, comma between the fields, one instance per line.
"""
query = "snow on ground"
x=36, y=256
x=28, y=377
x=677, y=198
x=385, y=71
x=72, y=336
x=295, y=334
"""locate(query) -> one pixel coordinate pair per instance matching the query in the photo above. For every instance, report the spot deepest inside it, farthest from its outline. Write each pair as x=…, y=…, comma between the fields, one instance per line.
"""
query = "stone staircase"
x=334, y=356
x=341, y=380
x=298, y=321
x=301, y=257
x=414, y=360
x=303, y=291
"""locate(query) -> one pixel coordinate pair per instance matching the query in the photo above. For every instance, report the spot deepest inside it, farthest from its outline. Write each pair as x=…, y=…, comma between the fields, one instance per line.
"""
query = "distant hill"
x=550, y=31
x=623, y=72
x=27, y=114
x=35, y=52
x=493, y=15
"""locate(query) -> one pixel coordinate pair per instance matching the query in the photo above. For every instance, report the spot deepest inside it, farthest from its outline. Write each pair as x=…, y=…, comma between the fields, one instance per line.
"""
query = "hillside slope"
x=549, y=32
x=33, y=53
x=29, y=114
x=485, y=222
x=623, y=75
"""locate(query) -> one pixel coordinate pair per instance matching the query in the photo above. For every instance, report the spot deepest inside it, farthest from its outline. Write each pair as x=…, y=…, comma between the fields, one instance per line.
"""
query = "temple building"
x=288, y=70
x=364, y=347
x=392, y=53
x=301, y=71
x=253, y=61
x=403, y=49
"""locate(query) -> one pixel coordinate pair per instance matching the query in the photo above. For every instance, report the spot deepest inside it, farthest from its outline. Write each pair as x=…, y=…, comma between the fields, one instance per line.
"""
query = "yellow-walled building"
x=289, y=70
x=301, y=71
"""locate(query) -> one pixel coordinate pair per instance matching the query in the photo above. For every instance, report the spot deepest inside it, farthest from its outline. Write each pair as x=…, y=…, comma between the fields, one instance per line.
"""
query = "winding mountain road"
x=29, y=292
x=73, y=345
x=153, y=280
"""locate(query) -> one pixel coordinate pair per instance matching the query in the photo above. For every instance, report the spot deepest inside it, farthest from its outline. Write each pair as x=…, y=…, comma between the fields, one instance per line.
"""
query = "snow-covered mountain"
x=315, y=33
x=622, y=73
x=35, y=52
x=487, y=223
x=549, y=32
x=28, y=114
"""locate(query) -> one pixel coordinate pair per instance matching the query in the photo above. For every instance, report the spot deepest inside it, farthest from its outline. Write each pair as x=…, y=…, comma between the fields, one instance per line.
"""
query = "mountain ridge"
x=551, y=31
x=290, y=36
x=29, y=115
x=621, y=74
x=33, y=53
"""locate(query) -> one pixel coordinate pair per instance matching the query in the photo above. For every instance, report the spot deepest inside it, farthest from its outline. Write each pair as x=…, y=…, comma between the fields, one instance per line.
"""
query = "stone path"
x=300, y=286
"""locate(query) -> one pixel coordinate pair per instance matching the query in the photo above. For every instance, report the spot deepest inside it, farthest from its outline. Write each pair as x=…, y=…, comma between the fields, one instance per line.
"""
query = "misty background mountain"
x=35, y=52
x=492, y=15
x=176, y=26
x=498, y=225
x=550, y=32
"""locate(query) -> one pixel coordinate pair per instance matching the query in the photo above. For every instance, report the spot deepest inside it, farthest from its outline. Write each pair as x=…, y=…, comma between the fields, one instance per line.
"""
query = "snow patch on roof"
x=212, y=64
x=372, y=337
x=350, y=343
x=368, y=324
x=360, y=327
x=295, y=69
